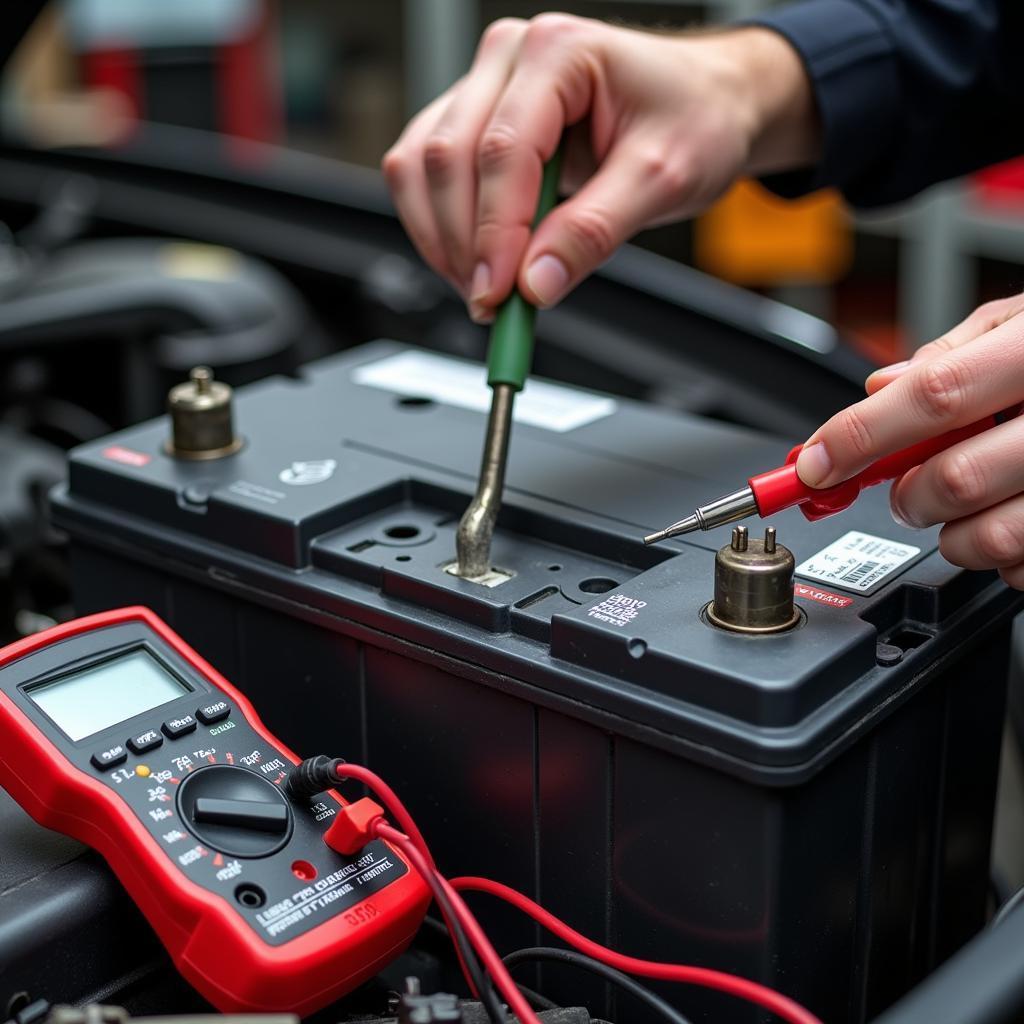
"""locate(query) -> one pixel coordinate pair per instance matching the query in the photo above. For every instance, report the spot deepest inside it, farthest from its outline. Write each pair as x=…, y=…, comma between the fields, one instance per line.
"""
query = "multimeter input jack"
x=250, y=896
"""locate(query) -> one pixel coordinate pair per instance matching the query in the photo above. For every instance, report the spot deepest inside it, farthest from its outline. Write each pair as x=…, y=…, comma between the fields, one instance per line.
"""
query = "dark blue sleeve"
x=910, y=92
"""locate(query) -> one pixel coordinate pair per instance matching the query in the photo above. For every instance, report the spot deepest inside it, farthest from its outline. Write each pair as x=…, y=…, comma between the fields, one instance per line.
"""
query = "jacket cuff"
x=850, y=57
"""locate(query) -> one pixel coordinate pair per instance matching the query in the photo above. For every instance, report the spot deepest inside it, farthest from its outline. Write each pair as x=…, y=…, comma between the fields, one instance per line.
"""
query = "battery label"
x=821, y=596
x=126, y=456
x=426, y=375
x=617, y=610
x=857, y=561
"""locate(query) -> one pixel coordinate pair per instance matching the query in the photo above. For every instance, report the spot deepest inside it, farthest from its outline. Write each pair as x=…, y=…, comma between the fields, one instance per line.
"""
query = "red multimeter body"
x=115, y=732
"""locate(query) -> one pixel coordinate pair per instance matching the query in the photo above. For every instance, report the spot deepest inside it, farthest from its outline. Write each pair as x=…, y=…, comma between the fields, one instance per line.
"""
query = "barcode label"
x=860, y=572
x=857, y=561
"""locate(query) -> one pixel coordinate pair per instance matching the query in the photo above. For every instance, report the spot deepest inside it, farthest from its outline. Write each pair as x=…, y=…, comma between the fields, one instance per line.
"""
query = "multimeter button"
x=179, y=726
x=254, y=814
x=213, y=712
x=109, y=758
x=148, y=740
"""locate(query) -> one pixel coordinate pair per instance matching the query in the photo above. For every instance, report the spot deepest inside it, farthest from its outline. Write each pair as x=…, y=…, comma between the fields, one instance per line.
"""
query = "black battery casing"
x=784, y=807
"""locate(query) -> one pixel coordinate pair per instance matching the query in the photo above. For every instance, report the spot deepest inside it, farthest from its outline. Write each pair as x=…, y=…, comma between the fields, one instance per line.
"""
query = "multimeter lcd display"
x=94, y=699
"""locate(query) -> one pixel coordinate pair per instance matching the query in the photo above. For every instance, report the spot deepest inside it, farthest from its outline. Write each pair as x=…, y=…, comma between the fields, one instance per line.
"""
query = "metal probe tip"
x=726, y=509
x=687, y=525
x=476, y=528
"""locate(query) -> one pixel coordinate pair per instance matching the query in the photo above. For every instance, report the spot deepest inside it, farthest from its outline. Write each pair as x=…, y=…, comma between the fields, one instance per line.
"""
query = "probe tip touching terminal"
x=476, y=527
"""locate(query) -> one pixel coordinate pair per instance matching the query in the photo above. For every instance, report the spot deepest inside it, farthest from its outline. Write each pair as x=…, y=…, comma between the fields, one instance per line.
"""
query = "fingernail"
x=480, y=314
x=893, y=368
x=899, y=517
x=885, y=375
x=814, y=464
x=481, y=283
x=548, y=279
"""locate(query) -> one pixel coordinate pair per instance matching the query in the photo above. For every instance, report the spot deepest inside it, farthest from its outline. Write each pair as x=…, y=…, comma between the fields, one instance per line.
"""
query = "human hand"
x=976, y=487
x=662, y=125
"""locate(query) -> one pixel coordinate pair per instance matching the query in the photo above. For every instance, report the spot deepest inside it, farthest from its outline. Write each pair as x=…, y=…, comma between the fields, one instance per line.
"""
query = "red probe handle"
x=781, y=488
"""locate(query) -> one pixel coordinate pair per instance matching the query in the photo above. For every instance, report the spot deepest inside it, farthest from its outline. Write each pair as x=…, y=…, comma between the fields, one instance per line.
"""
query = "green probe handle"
x=511, y=346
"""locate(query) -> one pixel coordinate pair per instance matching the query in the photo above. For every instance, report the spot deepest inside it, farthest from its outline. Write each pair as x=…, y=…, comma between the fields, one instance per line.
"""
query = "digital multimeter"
x=115, y=732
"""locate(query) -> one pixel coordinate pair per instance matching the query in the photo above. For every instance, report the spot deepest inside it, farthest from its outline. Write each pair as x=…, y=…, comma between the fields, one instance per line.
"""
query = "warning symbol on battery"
x=312, y=471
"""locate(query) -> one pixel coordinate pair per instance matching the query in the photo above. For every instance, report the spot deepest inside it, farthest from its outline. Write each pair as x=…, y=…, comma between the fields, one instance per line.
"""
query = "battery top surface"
x=345, y=496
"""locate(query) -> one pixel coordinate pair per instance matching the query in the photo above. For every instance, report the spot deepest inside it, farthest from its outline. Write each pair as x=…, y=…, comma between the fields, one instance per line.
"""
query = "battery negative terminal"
x=492, y=577
x=753, y=585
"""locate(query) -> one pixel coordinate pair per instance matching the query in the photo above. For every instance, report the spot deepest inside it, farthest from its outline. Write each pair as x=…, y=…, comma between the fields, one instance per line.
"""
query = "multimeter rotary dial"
x=234, y=811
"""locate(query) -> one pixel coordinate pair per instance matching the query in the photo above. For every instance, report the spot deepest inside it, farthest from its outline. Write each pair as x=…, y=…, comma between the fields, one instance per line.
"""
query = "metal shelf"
x=942, y=234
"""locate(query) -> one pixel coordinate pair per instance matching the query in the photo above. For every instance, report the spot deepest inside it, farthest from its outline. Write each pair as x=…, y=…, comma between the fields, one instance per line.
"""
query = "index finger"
x=928, y=399
x=982, y=320
x=547, y=90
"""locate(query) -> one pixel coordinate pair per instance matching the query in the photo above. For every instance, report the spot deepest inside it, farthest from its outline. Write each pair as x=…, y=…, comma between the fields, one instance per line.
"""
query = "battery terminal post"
x=753, y=585
x=202, y=418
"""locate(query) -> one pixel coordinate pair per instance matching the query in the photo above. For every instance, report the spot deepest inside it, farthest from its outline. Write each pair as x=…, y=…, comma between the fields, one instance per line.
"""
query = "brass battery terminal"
x=202, y=418
x=753, y=585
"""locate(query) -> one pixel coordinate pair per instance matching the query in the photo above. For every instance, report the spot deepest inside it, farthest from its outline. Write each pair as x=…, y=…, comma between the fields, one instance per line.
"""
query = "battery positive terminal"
x=202, y=418
x=753, y=585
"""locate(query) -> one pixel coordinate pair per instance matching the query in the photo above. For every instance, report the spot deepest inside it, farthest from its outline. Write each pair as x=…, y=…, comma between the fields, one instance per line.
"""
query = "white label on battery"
x=617, y=610
x=426, y=375
x=857, y=561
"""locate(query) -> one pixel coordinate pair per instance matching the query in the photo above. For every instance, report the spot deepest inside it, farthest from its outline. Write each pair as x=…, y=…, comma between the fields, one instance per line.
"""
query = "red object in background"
x=1002, y=184
x=117, y=68
x=212, y=946
x=241, y=73
x=250, y=84
x=882, y=342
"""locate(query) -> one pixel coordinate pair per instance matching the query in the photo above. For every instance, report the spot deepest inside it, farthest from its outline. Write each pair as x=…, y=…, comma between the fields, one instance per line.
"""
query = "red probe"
x=781, y=488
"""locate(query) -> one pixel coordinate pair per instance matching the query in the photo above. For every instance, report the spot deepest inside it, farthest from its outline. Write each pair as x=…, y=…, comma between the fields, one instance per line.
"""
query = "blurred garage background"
x=338, y=80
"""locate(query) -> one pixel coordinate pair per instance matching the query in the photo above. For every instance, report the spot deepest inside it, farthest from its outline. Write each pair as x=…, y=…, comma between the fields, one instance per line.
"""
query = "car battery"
x=810, y=808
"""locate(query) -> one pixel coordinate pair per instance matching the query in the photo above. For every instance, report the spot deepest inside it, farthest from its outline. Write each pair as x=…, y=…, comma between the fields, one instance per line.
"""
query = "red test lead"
x=781, y=488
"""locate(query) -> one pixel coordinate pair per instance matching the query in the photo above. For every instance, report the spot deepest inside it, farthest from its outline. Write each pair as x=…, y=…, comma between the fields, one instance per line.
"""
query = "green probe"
x=511, y=346
x=508, y=364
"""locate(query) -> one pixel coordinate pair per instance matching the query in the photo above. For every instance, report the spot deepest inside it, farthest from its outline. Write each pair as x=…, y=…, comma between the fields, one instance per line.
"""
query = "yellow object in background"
x=752, y=237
